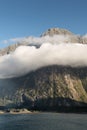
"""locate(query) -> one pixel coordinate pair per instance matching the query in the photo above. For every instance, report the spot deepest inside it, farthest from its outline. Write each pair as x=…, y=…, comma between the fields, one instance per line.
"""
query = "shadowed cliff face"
x=65, y=86
x=57, y=81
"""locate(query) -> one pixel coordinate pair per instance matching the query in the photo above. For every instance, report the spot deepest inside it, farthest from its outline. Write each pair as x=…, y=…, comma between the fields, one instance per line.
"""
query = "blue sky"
x=20, y=18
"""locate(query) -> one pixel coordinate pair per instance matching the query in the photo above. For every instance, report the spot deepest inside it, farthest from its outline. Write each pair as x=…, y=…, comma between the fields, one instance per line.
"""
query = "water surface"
x=43, y=121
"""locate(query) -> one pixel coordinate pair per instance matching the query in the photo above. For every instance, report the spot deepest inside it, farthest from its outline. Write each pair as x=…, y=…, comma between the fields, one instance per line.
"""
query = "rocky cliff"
x=48, y=88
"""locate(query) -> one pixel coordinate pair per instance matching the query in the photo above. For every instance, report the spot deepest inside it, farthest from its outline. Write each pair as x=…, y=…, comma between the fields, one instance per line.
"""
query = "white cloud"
x=38, y=40
x=16, y=39
x=84, y=36
x=5, y=41
x=56, y=50
x=12, y=40
x=26, y=58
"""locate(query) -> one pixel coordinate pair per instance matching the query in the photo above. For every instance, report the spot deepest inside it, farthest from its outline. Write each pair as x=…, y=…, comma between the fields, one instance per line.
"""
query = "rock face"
x=73, y=38
x=56, y=31
x=48, y=88
x=10, y=48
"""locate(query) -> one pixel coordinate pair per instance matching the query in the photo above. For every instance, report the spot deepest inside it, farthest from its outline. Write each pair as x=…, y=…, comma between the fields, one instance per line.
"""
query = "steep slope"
x=47, y=88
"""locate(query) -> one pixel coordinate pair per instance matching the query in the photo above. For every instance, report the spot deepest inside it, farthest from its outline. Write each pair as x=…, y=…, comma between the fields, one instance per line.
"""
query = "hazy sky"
x=19, y=18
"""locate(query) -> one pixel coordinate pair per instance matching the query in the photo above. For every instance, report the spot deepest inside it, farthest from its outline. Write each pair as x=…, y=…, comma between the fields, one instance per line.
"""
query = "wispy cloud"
x=4, y=41
x=34, y=40
x=12, y=40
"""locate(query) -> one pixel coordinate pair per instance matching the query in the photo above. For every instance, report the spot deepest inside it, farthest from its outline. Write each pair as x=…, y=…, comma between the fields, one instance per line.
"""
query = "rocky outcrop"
x=72, y=37
x=57, y=31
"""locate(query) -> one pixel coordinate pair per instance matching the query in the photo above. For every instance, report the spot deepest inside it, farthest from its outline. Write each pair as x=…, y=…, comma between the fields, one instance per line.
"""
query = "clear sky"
x=19, y=18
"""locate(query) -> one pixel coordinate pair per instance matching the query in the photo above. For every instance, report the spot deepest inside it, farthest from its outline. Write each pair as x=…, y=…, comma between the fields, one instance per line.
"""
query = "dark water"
x=43, y=121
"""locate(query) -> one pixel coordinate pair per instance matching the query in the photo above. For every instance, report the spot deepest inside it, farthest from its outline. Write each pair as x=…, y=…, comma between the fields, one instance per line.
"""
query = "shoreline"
x=26, y=111
x=17, y=111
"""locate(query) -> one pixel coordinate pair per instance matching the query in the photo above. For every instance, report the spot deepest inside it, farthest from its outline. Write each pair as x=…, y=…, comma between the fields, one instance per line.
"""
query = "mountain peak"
x=57, y=31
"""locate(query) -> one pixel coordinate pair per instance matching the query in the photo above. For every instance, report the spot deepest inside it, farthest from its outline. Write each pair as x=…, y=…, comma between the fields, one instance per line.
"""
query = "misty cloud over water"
x=29, y=58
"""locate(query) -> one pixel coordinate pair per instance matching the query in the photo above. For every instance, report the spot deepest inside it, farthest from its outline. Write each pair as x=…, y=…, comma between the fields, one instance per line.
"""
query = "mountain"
x=50, y=88
x=10, y=48
x=57, y=31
